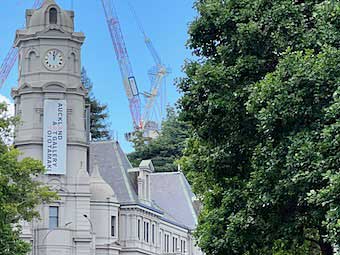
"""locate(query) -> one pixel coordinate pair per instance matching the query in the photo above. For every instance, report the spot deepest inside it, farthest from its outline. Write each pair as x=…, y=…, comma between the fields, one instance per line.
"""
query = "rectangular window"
x=182, y=246
x=147, y=231
x=166, y=242
x=175, y=245
x=153, y=233
x=53, y=217
x=138, y=229
x=160, y=239
x=113, y=225
x=164, y=248
x=144, y=231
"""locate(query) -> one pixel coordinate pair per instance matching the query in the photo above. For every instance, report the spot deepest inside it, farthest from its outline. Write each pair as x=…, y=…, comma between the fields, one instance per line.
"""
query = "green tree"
x=19, y=193
x=99, y=127
x=262, y=102
x=295, y=150
x=166, y=148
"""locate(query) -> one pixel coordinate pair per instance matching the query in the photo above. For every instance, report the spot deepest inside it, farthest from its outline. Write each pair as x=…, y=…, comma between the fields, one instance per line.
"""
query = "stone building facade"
x=105, y=205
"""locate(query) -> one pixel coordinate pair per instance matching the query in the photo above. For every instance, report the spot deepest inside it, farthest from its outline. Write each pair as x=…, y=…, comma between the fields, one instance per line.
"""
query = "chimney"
x=143, y=180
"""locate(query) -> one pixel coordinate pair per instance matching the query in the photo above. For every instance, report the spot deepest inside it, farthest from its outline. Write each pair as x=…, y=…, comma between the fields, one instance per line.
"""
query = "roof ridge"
x=124, y=173
x=187, y=196
x=164, y=173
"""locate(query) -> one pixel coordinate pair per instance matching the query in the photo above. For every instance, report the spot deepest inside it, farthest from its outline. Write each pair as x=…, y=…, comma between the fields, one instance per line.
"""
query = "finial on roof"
x=49, y=2
x=100, y=189
x=95, y=172
x=82, y=170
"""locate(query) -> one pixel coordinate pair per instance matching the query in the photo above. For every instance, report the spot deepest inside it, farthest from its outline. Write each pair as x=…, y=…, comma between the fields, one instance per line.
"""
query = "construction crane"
x=12, y=55
x=141, y=120
x=157, y=74
x=128, y=77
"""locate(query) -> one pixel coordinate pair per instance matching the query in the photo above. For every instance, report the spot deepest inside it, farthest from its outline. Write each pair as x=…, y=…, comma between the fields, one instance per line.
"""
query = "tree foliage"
x=19, y=193
x=166, y=148
x=99, y=127
x=263, y=103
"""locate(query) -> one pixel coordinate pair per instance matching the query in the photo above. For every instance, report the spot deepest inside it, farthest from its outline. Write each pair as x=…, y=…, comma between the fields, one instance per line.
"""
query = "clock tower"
x=50, y=101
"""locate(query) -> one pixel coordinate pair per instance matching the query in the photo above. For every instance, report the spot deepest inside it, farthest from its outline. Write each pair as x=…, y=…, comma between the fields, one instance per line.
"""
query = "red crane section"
x=122, y=56
x=8, y=64
x=12, y=55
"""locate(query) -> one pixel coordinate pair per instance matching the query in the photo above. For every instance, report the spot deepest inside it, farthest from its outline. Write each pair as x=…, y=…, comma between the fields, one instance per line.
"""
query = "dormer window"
x=53, y=16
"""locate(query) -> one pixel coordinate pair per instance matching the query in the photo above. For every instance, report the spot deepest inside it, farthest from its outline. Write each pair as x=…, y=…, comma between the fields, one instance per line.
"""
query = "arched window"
x=32, y=61
x=73, y=62
x=53, y=16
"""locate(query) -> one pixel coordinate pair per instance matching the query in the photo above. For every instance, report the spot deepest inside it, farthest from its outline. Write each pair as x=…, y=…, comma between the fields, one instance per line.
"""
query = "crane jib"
x=129, y=79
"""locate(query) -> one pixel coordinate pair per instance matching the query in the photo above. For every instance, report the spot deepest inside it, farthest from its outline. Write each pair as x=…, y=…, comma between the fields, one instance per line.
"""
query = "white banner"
x=55, y=136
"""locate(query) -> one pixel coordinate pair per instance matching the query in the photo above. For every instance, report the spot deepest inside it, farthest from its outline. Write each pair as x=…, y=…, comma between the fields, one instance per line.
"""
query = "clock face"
x=54, y=59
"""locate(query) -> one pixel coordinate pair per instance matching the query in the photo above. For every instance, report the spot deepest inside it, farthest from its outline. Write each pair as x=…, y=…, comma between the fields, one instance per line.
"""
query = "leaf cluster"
x=166, y=149
x=99, y=126
x=261, y=102
x=20, y=193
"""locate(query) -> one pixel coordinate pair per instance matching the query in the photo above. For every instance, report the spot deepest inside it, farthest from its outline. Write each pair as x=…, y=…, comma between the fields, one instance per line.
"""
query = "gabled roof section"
x=113, y=165
x=172, y=193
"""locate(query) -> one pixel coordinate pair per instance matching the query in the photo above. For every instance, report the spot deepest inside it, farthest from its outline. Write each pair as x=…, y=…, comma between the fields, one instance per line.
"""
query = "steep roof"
x=113, y=165
x=170, y=192
x=100, y=189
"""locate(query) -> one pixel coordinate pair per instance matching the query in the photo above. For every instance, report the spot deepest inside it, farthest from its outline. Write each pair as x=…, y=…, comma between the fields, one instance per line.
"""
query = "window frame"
x=166, y=242
x=53, y=16
x=147, y=232
x=183, y=246
x=139, y=229
x=54, y=217
x=113, y=225
x=153, y=230
x=146, y=228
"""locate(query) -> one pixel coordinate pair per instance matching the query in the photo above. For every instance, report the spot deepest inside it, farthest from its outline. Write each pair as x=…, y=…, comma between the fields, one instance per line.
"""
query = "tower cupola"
x=49, y=16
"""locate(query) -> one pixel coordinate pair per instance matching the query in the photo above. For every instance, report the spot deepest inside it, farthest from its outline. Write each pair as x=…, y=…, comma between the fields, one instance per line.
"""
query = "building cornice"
x=94, y=202
x=40, y=142
x=26, y=89
x=143, y=208
x=24, y=35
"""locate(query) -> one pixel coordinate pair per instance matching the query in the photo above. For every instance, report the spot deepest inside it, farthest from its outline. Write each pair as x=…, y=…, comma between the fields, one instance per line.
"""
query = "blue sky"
x=166, y=23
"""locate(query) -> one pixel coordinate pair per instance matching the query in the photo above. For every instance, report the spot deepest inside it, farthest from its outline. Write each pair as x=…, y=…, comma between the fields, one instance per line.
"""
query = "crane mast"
x=128, y=77
x=12, y=55
x=157, y=76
